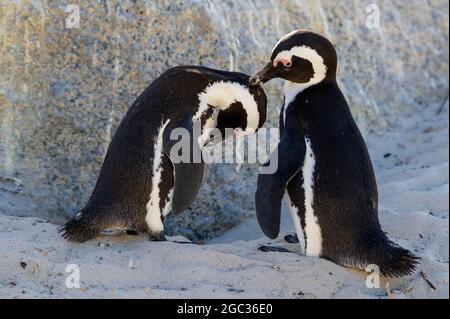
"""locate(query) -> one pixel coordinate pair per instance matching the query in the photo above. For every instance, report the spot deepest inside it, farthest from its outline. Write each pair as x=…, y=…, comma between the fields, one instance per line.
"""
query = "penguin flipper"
x=186, y=157
x=271, y=187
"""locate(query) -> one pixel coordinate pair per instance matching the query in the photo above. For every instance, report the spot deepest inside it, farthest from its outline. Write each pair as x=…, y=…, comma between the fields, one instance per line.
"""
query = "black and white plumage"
x=324, y=166
x=139, y=184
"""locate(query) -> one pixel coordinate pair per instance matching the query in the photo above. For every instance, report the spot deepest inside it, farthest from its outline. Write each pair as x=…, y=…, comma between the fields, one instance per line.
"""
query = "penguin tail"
x=80, y=228
x=393, y=260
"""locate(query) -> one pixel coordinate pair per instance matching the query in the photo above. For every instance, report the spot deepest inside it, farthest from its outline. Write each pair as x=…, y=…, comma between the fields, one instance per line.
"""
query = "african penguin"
x=139, y=182
x=324, y=166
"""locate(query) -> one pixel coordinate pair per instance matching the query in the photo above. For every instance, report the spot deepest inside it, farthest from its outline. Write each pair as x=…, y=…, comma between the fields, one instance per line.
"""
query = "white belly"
x=154, y=212
x=312, y=229
x=297, y=224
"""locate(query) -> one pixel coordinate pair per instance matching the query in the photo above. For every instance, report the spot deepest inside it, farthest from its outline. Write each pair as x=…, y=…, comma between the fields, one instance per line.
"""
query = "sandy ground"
x=411, y=163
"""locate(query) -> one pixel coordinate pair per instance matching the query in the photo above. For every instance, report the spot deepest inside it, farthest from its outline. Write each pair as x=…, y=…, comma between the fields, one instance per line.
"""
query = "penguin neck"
x=208, y=122
x=302, y=100
x=292, y=89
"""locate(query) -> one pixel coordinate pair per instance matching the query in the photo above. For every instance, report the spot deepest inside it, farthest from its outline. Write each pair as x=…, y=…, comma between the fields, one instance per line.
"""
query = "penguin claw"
x=291, y=239
x=265, y=248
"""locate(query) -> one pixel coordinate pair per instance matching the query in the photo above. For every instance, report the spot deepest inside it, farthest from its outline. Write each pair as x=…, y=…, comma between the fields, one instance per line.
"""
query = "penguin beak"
x=267, y=73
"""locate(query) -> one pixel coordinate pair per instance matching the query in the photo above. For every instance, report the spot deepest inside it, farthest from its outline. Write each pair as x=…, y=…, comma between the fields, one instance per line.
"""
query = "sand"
x=411, y=163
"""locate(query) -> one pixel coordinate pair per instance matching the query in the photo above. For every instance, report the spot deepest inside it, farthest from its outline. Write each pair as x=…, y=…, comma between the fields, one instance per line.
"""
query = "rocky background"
x=64, y=90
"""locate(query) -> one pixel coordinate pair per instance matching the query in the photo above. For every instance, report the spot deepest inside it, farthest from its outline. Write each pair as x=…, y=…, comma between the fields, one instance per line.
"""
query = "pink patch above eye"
x=285, y=62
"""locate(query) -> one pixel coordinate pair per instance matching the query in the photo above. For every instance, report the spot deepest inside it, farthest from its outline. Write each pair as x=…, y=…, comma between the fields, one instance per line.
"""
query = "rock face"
x=64, y=90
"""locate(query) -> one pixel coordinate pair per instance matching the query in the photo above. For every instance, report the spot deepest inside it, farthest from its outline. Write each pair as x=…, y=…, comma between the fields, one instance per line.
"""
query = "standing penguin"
x=139, y=182
x=323, y=164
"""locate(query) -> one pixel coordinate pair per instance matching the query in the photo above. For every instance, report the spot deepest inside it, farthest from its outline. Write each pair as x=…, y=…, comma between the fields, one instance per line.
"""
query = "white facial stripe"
x=153, y=217
x=312, y=227
x=223, y=94
x=297, y=223
x=208, y=127
x=304, y=52
x=287, y=36
x=168, y=206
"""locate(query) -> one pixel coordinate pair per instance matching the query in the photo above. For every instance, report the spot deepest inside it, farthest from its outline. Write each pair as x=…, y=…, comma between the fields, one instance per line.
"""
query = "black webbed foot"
x=291, y=239
x=132, y=232
x=266, y=249
x=157, y=237
x=182, y=242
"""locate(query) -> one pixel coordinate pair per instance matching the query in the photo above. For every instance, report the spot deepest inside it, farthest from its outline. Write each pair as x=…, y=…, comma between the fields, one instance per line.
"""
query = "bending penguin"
x=141, y=180
x=323, y=164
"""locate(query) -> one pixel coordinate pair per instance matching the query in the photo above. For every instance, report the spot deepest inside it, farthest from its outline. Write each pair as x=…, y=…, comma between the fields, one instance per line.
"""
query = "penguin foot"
x=267, y=249
x=157, y=237
x=291, y=239
x=132, y=232
x=182, y=242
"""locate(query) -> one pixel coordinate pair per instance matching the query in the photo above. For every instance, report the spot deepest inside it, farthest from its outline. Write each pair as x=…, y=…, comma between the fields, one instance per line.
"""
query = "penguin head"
x=231, y=106
x=246, y=114
x=301, y=57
